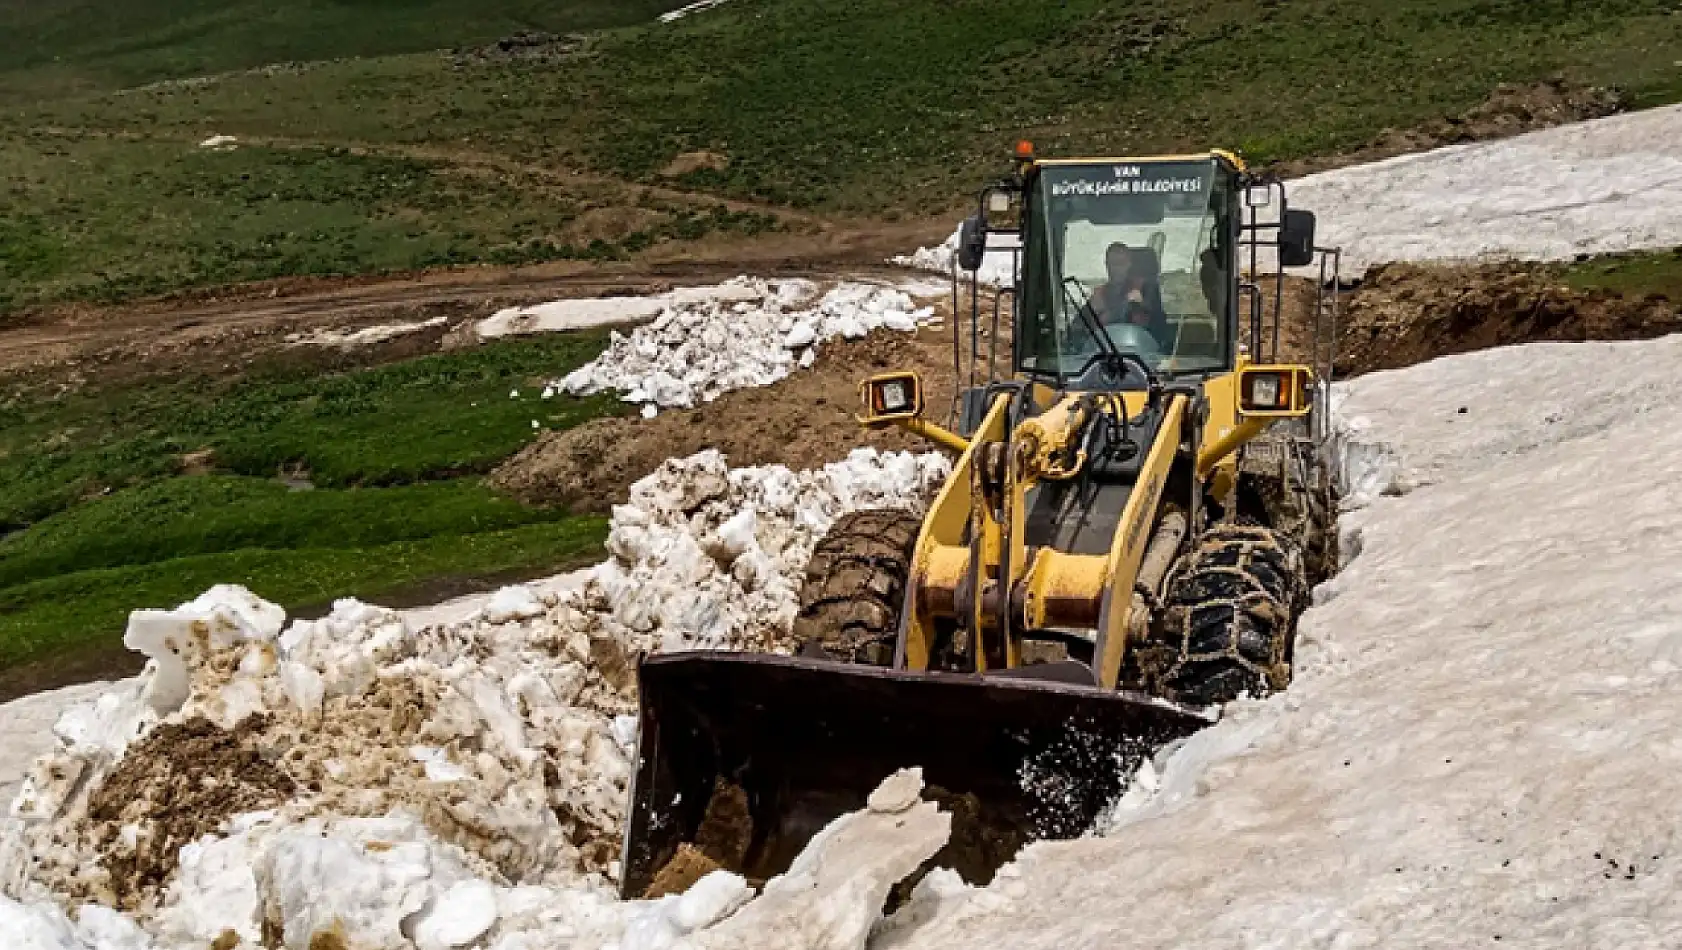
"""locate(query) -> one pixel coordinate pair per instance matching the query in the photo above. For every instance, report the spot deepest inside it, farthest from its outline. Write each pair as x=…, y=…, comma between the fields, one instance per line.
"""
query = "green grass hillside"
x=863, y=108
x=69, y=44
x=146, y=494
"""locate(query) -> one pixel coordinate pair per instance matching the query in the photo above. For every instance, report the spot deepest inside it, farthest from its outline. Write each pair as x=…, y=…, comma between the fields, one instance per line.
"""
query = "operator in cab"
x=1132, y=293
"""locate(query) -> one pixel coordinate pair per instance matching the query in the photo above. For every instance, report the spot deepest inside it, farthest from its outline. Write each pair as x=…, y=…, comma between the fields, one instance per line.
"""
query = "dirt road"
x=220, y=331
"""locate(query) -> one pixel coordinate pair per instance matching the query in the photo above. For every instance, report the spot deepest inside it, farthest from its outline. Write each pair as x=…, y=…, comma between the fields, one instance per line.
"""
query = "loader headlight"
x=1273, y=390
x=1264, y=391
x=895, y=398
x=892, y=396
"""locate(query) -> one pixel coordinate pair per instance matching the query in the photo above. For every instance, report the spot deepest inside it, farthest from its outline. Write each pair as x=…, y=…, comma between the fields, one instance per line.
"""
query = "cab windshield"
x=1142, y=248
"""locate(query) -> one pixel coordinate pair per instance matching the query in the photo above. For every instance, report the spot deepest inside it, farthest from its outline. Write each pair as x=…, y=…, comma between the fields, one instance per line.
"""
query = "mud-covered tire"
x=855, y=586
x=1227, y=620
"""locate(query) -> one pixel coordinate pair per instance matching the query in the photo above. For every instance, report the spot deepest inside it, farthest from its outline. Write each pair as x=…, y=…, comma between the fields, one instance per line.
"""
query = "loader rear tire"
x=855, y=586
x=1228, y=618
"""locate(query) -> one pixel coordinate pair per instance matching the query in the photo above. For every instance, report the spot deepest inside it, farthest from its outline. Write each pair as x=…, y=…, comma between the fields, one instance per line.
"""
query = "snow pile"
x=1612, y=184
x=379, y=883
x=365, y=774
x=1481, y=739
x=746, y=333
x=998, y=265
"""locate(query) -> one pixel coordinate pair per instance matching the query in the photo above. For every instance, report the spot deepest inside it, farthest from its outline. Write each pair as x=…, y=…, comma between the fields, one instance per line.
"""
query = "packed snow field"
x=1481, y=741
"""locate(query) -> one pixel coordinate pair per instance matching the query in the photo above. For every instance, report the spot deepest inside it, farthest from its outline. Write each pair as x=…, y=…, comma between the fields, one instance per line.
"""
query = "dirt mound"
x=532, y=46
x=1510, y=110
x=803, y=422
x=688, y=163
x=1407, y=313
x=175, y=786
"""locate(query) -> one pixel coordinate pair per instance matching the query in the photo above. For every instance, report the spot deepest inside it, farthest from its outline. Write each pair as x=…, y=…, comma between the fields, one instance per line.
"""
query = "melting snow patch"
x=745, y=333
x=684, y=11
x=1612, y=184
x=365, y=336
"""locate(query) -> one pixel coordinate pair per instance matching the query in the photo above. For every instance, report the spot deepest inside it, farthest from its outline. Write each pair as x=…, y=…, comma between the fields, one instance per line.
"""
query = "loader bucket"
x=801, y=742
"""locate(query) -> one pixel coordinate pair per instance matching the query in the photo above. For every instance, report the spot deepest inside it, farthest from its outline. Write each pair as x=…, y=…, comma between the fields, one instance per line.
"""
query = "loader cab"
x=1129, y=256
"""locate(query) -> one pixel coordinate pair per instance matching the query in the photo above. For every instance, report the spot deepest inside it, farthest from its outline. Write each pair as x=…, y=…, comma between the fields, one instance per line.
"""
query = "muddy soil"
x=803, y=421
x=1510, y=110
x=111, y=662
x=1404, y=314
x=177, y=785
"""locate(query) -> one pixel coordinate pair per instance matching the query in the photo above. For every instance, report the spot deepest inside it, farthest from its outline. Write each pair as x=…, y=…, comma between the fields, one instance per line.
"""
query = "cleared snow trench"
x=1480, y=740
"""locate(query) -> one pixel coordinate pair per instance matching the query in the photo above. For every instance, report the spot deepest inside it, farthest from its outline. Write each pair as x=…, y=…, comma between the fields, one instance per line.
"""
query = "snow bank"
x=744, y=333
x=1481, y=740
x=1596, y=187
x=424, y=767
x=998, y=265
x=560, y=316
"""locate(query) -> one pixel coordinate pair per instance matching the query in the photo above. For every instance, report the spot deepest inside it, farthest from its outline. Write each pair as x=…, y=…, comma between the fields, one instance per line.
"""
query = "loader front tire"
x=1228, y=618
x=855, y=586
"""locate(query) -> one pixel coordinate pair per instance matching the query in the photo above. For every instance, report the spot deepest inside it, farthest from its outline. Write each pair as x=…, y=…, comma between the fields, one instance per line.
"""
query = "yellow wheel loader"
x=1133, y=521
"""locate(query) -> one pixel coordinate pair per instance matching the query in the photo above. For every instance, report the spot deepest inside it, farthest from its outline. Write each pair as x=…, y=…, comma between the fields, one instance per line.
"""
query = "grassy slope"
x=95, y=43
x=867, y=107
x=1657, y=273
x=101, y=520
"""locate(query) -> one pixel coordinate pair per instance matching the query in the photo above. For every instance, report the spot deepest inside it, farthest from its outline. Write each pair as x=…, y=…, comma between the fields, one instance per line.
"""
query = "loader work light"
x=892, y=396
x=1273, y=391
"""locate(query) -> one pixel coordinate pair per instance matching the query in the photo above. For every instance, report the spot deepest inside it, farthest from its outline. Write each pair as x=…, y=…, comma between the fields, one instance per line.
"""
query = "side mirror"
x=1296, y=238
x=972, y=242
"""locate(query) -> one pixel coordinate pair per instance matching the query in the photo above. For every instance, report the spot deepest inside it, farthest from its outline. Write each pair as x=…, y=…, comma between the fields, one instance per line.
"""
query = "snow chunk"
x=566, y=315
x=683, y=11
x=36, y=927
x=517, y=602
x=460, y=916
x=834, y=891
x=220, y=617
x=364, y=336
x=898, y=792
